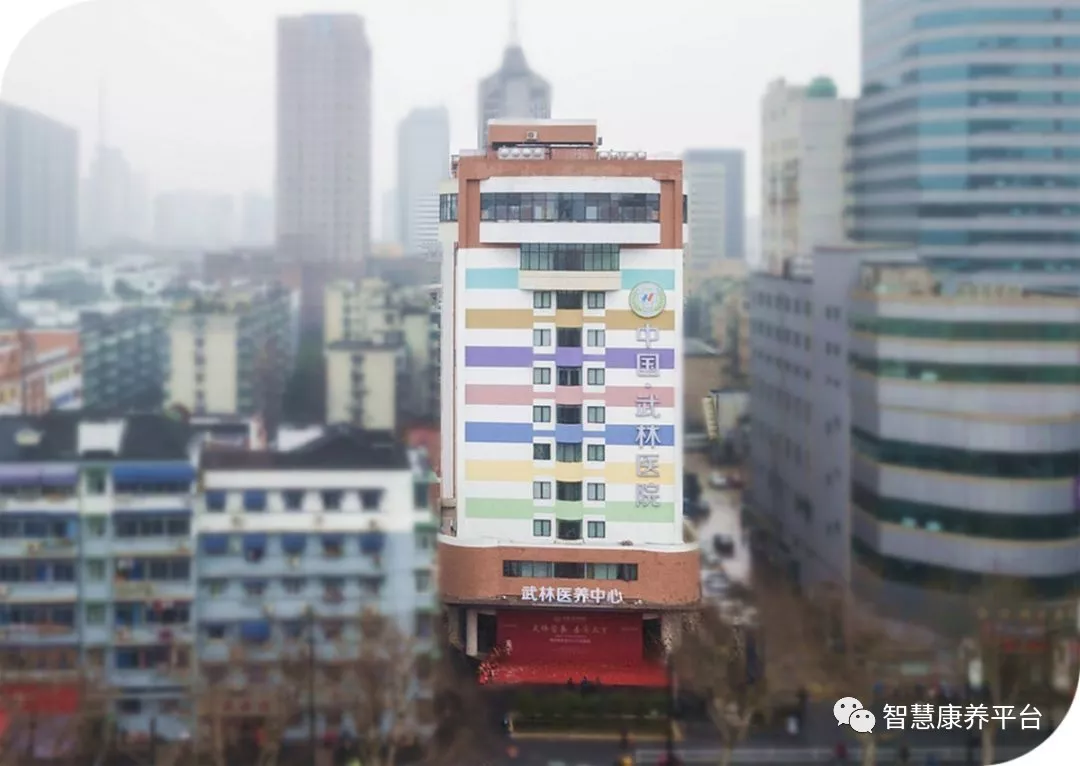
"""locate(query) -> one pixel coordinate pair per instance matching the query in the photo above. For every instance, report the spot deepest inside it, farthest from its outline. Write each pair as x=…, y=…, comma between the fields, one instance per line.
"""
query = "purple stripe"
x=626, y=358
x=498, y=356
x=568, y=357
x=555, y=357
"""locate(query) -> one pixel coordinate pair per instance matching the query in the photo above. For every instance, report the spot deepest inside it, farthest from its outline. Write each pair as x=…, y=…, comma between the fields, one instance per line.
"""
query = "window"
x=569, y=257
x=423, y=580
x=594, y=300
x=596, y=528
x=595, y=453
x=541, y=451
x=541, y=414
x=569, y=376
x=596, y=492
x=541, y=527
x=293, y=499
x=96, y=526
x=541, y=338
x=568, y=490
x=96, y=481
x=568, y=530
x=331, y=499
x=568, y=337
x=624, y=572
x=542, y=299
x=541, y=490
x=95, y=570
x=541, y=376
x=596, y=415
x=95, y=614
x=595, y=376
x=294, y=585
x=568, y=299
x=568, y=414
x=595, y=338
x=568, y=452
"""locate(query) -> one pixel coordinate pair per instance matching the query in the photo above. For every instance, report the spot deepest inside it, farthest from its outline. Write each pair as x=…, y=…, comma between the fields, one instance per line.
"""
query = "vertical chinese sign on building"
x=647, y=301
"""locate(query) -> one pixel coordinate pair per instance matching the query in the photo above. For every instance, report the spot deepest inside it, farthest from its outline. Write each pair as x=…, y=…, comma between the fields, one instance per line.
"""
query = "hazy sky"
x=190, y=83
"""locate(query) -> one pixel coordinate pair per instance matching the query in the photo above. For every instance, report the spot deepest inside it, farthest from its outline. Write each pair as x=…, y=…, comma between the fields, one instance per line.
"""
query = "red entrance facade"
x=549, y=646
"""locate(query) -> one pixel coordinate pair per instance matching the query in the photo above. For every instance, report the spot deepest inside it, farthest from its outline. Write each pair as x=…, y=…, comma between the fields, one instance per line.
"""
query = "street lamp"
x=313, y=739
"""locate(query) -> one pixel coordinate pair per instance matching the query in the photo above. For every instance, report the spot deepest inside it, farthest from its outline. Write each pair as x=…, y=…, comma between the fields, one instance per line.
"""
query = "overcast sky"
x=190, y=83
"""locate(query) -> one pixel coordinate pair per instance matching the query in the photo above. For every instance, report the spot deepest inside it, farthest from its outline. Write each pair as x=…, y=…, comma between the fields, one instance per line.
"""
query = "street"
x=723, y=518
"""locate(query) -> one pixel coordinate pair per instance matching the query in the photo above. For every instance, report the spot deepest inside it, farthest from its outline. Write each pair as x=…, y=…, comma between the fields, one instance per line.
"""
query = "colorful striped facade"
x=562, y=407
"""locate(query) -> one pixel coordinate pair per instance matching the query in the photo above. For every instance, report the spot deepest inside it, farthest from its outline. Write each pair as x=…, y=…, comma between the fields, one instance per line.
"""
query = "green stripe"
x=663, y=277
x=522, y=510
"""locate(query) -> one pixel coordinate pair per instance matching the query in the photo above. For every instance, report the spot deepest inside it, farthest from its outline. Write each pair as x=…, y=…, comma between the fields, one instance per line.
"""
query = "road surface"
x=724, y=518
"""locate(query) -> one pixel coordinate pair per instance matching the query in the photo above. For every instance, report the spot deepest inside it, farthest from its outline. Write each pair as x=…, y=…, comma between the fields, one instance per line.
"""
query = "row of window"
x=568, y=376
x=37, y=571
x=1000, y=331
x=570, y=337
x=1004, y=265
x=153, y=526
x=940, y=372
x=967, y=128
x=369, y=585
x=1000, y=465
x=947, y=580
x=973, y=72
x=570, y=207
x=570, y=530
x=254, y=546
x=569, y=414
x=965, y=99
x=969, y=238
x=568, y=299
x=570, y=491
x=961, y=17
x=968, y=44
x=938, y=518
x=953, y=155
x=293, y=499
x=570, y=453
x=569, y=257
x=987, y=210
x=568, y=570
x=969, y=183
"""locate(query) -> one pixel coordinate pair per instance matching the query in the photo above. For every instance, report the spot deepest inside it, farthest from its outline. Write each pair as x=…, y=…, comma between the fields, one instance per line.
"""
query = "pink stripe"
x=626, y=396
x=479, y=393
x=569, y=395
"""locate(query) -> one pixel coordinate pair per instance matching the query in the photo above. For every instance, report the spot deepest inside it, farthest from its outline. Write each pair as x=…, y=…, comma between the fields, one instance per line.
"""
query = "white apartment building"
x=804, y=143
x=229, y=351
x=323, y=192
x=423, y=163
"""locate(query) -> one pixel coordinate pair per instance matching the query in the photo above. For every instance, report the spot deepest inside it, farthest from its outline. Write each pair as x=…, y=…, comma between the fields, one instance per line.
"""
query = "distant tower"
x=514, y=90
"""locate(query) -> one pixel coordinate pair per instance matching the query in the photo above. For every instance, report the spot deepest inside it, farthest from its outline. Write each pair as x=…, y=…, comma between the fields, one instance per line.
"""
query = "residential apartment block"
x=293, y=545
x=562, y=398
x=40, y=371
x=96, y=580
x=379, y=354
x=230, y=350
x=124, y=359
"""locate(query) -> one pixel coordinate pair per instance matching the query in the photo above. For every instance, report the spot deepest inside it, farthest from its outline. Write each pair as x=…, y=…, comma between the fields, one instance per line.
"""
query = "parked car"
x=717, y=480
x=724, y=545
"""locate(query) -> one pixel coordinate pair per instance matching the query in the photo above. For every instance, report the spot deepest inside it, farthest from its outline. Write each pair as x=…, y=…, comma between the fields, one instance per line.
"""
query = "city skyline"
x=154, y=105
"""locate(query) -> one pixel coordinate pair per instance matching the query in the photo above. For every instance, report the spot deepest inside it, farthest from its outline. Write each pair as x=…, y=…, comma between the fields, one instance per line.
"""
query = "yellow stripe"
x=626, y=473
x=498, y=319
x=569, y=471
x=569, y=317
x=499, y=470
x=623, y=319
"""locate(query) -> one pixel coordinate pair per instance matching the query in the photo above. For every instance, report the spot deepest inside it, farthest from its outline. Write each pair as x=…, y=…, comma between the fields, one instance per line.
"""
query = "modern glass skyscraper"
x=967, y=138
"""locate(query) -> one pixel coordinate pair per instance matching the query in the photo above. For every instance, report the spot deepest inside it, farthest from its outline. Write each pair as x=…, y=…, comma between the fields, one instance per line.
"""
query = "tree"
x=746, y=672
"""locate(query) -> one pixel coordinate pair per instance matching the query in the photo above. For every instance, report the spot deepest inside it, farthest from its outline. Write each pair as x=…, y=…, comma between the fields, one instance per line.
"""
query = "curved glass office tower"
x=967, y=139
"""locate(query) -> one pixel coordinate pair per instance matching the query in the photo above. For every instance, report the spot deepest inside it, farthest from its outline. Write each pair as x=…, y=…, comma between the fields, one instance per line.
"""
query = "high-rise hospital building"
x=562, y=551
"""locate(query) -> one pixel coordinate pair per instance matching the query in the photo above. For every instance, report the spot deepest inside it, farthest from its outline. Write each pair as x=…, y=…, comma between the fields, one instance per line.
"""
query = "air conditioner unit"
x=532, y=135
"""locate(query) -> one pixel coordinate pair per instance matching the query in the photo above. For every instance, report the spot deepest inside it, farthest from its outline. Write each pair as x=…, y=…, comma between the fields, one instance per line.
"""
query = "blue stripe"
x=526, y=433
x=626, y=436
x=134, y=474
x=663, y=277
x=499, y=433
x=491, y=279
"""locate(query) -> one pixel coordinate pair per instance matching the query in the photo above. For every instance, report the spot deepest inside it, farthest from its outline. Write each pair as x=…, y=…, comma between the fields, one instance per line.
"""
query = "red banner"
x=550, y=635
x=30, y=699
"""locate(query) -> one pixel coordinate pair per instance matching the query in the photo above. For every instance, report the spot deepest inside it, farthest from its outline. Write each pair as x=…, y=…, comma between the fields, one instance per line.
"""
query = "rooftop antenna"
x=515, y=37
